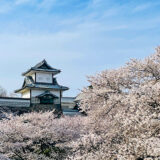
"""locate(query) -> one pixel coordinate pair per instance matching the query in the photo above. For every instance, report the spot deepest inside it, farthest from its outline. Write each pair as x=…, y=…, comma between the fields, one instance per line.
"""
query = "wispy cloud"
x=145, y=6
x=142, y=7
x=9, y=6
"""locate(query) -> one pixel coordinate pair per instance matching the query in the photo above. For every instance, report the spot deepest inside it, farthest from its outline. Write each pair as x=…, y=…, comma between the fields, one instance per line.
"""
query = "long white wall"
x=44, y=77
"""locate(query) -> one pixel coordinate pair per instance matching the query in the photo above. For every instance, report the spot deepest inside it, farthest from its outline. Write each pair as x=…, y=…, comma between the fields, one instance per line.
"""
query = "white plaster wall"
x=37, y=92
x=57, y=93
x=33, y=76
x=44, y=77
x=26, y=94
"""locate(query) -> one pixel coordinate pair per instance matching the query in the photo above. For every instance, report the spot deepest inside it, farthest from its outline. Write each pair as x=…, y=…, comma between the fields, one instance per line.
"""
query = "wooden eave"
x=32, y=71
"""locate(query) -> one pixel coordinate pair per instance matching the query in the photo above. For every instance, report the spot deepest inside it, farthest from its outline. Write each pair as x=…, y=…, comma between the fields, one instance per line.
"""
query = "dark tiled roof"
x=15, y=98
x=43, y=86
x=29, y=83
x=50, y=86
x=42, y=66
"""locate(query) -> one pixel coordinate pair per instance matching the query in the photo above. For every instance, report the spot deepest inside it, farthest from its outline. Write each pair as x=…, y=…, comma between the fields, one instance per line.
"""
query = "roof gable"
x=43, y=65
x=47, y=93
x=27, y=80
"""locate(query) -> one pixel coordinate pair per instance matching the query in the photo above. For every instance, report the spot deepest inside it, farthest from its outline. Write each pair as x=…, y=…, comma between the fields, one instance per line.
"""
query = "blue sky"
x=80, y=37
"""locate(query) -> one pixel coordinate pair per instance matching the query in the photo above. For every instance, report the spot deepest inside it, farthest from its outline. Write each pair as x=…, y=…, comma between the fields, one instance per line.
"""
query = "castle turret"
x=40, y=85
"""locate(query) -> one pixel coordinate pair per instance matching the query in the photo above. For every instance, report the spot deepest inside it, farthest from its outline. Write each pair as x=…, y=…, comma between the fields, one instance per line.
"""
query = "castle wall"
x=23, y=105
x=14, y=102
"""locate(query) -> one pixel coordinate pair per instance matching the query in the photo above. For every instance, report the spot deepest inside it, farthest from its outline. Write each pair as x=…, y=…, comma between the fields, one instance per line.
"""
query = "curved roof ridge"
x=42, y=66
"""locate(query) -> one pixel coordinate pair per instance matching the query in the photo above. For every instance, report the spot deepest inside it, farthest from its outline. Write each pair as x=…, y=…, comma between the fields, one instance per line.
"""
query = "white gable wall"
x=37, y=92
x=44, y=77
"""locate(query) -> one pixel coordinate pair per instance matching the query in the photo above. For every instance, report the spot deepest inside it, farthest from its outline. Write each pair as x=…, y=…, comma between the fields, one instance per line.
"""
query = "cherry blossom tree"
x=123, y=106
